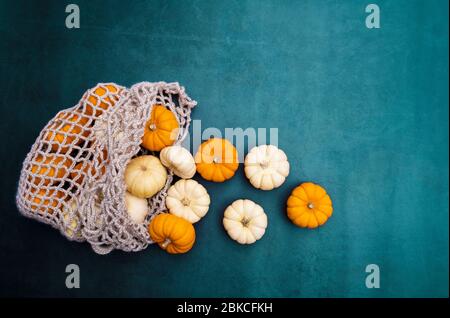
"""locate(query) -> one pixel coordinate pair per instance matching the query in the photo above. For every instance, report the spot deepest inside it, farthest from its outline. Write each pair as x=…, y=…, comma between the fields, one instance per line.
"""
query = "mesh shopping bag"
x=73, y=176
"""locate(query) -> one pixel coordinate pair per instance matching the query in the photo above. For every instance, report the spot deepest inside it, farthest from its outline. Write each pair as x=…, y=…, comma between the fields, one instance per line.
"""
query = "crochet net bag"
x=73, y=176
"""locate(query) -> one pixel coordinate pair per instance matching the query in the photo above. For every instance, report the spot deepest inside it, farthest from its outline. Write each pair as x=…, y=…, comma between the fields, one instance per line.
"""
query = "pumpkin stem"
x=165, y=243
x=99, y=196
x=185, y=201
x=310, y=205
x=264, y=164
x=245, y=221
x=152, y=126
x=216, y=160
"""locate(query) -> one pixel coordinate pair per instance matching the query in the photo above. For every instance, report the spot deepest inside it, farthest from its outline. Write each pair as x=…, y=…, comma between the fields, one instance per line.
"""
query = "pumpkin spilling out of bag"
x=111, y=171
x=160, y=130
x=90, y=174
x=172, y=233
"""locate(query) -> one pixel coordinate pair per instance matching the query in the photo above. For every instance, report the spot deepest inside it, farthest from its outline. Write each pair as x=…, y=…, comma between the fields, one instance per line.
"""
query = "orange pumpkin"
x=161, y=130
x=82, y=169
x=45, y=200
x=50, y=167
x=101, y=98
x=68, y=128
x=217, y=160
x=309, y=205
x=87, y=167
x=173, y=234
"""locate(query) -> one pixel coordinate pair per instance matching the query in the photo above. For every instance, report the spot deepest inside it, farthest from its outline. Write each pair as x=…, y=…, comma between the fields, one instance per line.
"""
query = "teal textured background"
x=362, y=112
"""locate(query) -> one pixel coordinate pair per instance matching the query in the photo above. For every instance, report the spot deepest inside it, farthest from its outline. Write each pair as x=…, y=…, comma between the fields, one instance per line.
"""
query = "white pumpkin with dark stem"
x=245, y=221
x=266, y=167
x=188, y=199
x=179, y=160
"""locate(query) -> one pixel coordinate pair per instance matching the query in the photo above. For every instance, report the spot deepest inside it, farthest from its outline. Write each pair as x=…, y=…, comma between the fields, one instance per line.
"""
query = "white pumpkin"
x=245, y=221
x=100, y=130
x=71, y=220
x=188, y=199
x=179, y=160
x=266, y=167
x=145, y=176
x=137, y=208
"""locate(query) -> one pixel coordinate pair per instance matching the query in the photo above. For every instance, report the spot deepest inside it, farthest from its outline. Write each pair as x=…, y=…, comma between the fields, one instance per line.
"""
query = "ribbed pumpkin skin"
x=245, y=221
x=266, y=167
x=217, y=160
x=179, y=160
x=188, y=199
x=172, y=233
x=161, y=130
x=309, y=206
x=145, y=176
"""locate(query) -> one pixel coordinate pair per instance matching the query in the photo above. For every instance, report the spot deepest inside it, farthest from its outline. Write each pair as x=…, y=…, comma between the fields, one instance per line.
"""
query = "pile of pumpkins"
x=216, y=160
x=187, y=201
x=50, y=169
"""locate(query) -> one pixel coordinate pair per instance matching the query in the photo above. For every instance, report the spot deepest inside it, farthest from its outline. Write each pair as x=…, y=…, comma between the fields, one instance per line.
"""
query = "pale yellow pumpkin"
x=137, y=208
x=71, y=220
x=145, y=176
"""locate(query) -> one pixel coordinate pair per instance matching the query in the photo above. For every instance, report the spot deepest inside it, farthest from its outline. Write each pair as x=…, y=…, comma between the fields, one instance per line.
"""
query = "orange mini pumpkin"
x=309, y=205
x=87, y=167
x=69, y=128
x=50, y=167
x=217, y=160
x=101, y=98
x=83, y=169
x=45, y=200
x=161, y=130
x=173, y=234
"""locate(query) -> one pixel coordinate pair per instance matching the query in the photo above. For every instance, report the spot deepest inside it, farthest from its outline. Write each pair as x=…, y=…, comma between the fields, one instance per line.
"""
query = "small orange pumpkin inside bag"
x=50, y=167
x=45, y=200
x=101, y=98
x=88, y=168
x=69, y=128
